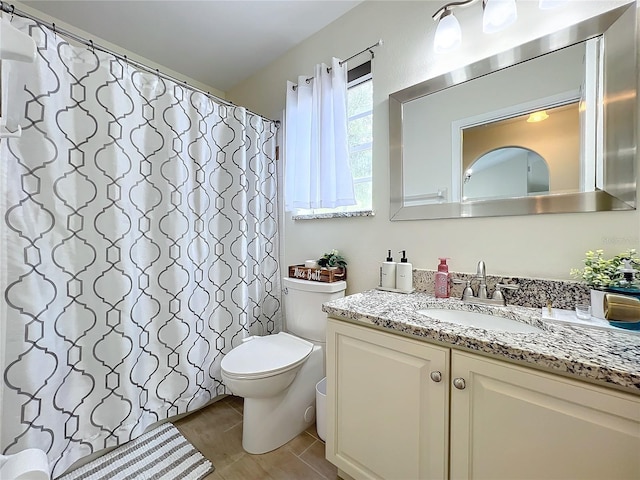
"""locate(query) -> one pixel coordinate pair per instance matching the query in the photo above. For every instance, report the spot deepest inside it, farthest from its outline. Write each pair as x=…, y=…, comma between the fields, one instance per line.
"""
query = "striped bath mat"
x=162, y=453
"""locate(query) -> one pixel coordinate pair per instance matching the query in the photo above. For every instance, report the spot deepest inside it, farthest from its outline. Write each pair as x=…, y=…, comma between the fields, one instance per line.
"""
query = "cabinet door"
x=511, y=422
x=386, y=417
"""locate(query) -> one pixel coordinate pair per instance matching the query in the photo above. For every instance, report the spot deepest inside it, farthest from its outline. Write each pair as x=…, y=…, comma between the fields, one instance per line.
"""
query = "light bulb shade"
x=498, y=14
x=538, y=116
x=549, y=4
x=448, y=34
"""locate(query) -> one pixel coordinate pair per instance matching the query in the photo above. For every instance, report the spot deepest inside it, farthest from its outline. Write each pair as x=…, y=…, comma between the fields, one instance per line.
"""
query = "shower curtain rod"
x=368, y=49
x=10, y=9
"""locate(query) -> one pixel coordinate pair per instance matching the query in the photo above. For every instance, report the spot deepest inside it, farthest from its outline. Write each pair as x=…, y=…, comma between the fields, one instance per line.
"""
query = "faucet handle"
x=467, y=292
x=497, y=293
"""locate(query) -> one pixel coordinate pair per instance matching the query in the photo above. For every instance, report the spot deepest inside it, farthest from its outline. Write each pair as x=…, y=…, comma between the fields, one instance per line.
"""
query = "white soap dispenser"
x=404, y=274
x=388, y=273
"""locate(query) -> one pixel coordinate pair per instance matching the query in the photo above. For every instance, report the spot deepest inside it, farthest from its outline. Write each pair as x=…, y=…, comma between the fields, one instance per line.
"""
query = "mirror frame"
x=620, y=114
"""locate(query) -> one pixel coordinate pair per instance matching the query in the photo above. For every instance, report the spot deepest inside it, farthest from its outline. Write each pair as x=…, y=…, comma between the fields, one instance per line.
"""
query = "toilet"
x=277, y=374
x=29, y=464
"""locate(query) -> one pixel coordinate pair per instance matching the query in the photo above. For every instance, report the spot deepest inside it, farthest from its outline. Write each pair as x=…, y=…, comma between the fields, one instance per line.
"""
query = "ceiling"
x=218, y=43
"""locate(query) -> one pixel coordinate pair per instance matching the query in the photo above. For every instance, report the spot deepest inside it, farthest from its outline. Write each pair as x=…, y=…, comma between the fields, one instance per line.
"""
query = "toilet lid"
x=267, y=355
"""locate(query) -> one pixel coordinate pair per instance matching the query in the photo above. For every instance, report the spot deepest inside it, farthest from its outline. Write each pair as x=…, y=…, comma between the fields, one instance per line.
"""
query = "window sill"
x=314, y=216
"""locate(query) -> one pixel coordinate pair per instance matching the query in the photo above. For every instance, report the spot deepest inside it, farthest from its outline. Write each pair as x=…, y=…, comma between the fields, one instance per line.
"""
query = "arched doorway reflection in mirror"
x=506, y=172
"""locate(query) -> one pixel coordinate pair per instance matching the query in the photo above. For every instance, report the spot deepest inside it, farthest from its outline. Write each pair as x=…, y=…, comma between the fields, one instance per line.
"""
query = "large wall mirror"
x=547, y=127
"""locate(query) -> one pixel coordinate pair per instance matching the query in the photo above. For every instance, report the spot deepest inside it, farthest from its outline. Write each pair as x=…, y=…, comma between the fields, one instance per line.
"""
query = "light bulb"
x=537, y=116
x=448, y=34
x=498, y=14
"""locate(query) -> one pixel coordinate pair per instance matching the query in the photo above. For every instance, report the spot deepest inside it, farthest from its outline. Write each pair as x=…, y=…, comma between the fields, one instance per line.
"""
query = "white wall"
x=543, y=246
x=117, y=49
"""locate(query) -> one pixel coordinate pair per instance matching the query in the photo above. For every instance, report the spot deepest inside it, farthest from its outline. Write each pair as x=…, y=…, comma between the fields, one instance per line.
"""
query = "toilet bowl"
x=29, y=464
x=264, y=366
x=277, y=374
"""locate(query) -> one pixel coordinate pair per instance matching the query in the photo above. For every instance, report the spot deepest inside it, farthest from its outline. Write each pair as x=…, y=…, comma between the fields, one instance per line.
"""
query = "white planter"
x=597, y=303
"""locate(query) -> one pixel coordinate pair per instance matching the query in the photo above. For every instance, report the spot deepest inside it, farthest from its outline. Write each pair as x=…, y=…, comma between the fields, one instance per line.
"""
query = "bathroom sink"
x=479, y=320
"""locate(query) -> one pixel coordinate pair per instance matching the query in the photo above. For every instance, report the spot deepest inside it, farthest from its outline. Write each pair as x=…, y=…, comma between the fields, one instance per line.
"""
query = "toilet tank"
x=303, y=301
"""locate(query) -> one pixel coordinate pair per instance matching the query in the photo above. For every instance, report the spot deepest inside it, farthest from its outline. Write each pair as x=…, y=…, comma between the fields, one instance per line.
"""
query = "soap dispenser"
x=442, y=286
x=404, y=274
x=388, y=273
x=628, y=273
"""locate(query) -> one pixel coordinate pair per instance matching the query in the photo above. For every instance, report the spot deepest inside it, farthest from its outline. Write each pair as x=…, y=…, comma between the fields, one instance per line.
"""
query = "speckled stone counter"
x=531, y=292
x=610, y=358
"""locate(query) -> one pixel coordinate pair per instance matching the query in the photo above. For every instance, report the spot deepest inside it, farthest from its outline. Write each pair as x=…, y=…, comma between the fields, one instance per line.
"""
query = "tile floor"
x=217, y=432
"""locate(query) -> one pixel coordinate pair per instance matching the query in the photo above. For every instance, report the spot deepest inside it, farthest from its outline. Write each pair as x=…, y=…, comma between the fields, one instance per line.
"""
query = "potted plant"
x=332, y=260
x=602, y=274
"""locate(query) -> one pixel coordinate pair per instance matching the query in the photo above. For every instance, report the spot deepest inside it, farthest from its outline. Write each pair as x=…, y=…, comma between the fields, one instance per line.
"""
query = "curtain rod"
x=10, y=9
x=368, y=49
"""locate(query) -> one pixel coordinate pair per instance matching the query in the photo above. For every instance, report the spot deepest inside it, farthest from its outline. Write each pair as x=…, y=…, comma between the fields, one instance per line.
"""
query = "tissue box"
x=327, y=275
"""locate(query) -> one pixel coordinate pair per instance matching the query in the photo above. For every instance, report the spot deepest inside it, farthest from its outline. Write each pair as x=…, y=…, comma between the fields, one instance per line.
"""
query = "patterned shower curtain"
x=139, y=245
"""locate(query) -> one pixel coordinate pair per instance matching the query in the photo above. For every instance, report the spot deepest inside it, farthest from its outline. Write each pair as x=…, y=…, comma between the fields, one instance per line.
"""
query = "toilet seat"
x=266, y=356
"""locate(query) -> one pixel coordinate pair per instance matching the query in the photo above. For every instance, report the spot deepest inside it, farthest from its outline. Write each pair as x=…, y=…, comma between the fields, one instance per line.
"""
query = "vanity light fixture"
x=538, y=116
x=448, y=33
x=498, y=15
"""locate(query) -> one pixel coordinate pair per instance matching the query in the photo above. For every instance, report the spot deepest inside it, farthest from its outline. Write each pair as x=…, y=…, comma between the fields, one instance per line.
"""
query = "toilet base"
x=271, y=422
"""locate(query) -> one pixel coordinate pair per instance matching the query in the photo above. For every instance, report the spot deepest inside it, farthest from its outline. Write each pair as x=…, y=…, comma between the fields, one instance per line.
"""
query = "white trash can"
x=321, y=409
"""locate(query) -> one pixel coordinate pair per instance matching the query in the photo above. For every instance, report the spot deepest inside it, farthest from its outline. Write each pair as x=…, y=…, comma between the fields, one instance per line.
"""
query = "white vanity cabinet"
x=389, y=418
x=510, y=422
x=387, y=404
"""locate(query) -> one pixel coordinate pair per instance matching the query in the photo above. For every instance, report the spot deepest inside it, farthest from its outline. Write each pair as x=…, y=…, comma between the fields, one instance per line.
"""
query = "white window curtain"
x=317, y=170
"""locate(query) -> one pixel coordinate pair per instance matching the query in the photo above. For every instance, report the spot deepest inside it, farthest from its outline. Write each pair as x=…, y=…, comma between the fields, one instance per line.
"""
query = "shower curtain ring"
x=53, y=27
x=92, y=49
x=13, y=11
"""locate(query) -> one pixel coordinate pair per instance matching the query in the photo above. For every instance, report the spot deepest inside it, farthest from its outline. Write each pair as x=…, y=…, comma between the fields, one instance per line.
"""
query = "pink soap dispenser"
x=442, y=286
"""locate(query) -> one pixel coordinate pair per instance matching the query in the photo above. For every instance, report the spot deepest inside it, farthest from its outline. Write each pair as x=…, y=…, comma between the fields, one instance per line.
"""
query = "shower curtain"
x=139, y=245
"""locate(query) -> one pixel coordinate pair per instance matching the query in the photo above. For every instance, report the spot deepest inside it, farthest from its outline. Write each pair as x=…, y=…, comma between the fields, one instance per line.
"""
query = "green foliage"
x=361, y=131
x=361, y=164
x=599, y=272
x=360, y=99
x=332, y=259
x=363, y=195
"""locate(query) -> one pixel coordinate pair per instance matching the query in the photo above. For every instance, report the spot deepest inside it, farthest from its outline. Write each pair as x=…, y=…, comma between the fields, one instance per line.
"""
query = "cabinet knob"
x=459, y=383
x=436, y=376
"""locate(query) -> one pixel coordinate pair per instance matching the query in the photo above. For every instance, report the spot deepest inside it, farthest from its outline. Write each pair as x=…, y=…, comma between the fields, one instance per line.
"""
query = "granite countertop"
x=607, y=357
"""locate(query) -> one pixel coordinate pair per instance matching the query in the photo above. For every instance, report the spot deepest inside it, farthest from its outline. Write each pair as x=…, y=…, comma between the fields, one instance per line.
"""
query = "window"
x=360, y=128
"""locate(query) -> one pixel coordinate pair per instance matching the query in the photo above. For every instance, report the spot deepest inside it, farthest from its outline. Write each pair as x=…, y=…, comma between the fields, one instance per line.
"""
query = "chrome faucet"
x=481, y=274
x=482, y=297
